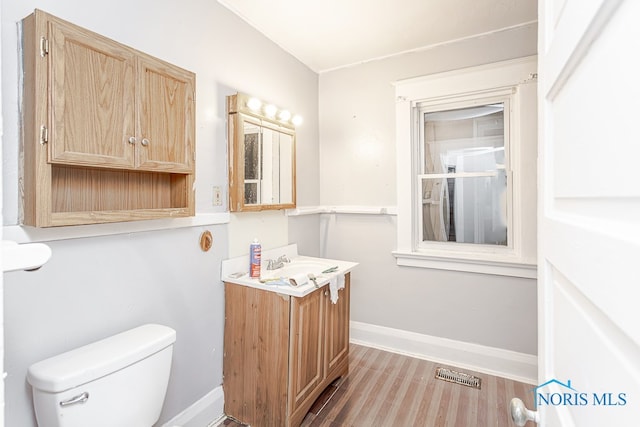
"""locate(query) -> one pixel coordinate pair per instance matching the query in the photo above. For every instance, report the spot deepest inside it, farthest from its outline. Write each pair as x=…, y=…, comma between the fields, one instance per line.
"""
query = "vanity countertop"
x=236, y=270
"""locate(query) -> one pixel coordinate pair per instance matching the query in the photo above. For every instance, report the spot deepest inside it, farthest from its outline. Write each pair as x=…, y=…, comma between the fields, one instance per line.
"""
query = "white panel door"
x=589, y=213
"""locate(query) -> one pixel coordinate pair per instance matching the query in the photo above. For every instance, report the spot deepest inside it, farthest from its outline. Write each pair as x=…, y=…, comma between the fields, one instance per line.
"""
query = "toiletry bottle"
x=255, y=250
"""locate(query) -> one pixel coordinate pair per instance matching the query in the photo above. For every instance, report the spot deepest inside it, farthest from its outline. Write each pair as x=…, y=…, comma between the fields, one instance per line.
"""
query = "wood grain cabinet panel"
x=281, y=352
x=108, y=131
x=307, y=364
x=166, y=116
x=91, y=82
x=256, y=343
x=337, y=338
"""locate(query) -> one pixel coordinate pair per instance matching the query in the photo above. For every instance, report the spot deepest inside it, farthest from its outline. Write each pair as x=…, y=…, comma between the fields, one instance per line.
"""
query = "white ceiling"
x=329, y=34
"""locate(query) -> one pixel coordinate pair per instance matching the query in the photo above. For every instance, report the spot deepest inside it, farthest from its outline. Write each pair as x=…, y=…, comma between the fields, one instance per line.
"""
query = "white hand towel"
x=335, y=283
x=298, y=279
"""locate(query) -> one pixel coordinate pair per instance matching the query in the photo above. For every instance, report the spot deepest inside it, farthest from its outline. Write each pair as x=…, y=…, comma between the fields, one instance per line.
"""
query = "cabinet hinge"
x=44, y=46
x=44, y=135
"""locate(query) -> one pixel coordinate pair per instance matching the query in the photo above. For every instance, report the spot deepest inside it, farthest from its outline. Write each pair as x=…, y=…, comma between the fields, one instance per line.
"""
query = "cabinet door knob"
x=132, y=140
x=145, y=142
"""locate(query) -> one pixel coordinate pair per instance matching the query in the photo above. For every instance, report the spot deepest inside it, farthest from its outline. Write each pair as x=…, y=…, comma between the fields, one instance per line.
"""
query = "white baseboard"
x=489, y=360
x=206, y=412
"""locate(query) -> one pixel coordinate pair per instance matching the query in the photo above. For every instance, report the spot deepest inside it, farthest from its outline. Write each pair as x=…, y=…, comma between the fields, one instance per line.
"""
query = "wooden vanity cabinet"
x=108, y=131
x=281, y=352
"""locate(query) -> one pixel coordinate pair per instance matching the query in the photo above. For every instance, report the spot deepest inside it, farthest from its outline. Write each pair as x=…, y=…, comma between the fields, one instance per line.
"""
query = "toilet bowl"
x=118, y=381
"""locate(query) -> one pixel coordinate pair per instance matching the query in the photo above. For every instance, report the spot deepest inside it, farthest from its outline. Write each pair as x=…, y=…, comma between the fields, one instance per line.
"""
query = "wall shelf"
x=357, y=210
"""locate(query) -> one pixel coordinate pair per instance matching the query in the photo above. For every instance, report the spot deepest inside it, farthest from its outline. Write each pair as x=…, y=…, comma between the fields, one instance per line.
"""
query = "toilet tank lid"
x=95, y=360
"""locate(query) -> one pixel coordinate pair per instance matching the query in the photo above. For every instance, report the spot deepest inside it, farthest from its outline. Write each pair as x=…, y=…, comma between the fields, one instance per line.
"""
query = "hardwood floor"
x=388, y=389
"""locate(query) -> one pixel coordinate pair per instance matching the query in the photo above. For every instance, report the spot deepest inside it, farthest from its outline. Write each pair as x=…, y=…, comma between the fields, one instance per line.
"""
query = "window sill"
x=460, y=263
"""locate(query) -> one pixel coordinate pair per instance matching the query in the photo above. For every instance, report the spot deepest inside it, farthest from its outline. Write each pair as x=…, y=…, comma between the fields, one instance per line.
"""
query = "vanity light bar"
x=256, y=106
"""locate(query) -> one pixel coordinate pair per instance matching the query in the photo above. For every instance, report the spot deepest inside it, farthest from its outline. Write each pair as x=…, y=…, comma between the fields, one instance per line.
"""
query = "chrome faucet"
x=274, y=264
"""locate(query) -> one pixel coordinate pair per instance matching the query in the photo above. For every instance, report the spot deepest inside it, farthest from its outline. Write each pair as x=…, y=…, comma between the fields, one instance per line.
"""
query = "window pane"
x=465, y=209
x=464, y=140
x=466, y=201
x=436, y=211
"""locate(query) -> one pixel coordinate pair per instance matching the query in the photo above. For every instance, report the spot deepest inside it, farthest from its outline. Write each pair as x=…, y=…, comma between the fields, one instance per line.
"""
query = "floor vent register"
x=458, y=378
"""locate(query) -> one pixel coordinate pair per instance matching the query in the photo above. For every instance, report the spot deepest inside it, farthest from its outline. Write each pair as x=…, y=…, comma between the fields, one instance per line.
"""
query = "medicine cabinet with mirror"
x=262, y=169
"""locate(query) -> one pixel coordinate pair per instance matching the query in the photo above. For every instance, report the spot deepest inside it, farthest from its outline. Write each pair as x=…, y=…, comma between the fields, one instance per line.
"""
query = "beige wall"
x=358, y=164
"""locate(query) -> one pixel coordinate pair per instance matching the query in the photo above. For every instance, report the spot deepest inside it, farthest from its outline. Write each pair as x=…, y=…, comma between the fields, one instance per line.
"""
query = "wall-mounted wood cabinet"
x=108, y=131
x=281, y=352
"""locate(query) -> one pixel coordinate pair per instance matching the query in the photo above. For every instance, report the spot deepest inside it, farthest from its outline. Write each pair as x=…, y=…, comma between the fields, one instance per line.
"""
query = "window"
x=468, y=201
x=463, y=176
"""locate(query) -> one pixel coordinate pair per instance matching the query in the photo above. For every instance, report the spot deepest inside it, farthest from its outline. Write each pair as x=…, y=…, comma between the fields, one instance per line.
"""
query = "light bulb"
x=270, y=110
x=254, y=104
x=284, y=115
x=296, y=120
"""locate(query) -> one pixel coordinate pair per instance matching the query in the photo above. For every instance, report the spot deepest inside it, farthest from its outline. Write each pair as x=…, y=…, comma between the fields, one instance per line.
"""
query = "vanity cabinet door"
x=166, y=116
x=91, y=82
x=306, y=348
x=256, y=342
x=337, y=329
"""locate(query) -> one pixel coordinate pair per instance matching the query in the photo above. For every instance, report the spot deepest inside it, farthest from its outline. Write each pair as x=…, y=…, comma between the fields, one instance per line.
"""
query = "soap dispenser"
x=255, y=254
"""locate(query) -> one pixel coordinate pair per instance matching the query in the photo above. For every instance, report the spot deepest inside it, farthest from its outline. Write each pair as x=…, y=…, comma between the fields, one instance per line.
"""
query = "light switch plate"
x=217, y=196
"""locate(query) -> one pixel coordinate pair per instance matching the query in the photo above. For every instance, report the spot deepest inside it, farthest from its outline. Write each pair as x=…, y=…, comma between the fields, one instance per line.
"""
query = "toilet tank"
x=118, y=381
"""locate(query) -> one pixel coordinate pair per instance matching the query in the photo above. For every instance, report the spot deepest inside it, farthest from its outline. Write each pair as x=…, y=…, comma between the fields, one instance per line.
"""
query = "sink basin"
x=299, y=267
x=235, y=271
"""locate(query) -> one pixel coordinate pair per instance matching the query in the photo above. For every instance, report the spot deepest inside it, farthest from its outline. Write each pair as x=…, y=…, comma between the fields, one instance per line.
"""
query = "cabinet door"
x=337, y=332
x=256, y=341
x=166, y=116
x=305, y=358
x=92, y=87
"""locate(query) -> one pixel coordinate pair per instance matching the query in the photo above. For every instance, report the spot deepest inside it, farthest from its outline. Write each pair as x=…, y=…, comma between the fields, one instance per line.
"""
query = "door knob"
x=145, y=142
x=520, y=414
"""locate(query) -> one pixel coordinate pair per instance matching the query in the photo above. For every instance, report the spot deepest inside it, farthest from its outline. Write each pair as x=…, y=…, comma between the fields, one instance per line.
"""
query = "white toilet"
x=118, y=381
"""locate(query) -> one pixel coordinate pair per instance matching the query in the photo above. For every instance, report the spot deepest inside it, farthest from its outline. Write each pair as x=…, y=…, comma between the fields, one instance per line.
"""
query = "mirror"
x=261, y=156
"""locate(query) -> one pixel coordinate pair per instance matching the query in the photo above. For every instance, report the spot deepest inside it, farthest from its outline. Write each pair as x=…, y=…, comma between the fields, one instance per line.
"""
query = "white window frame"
x=514, y=81
x=503, y=96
